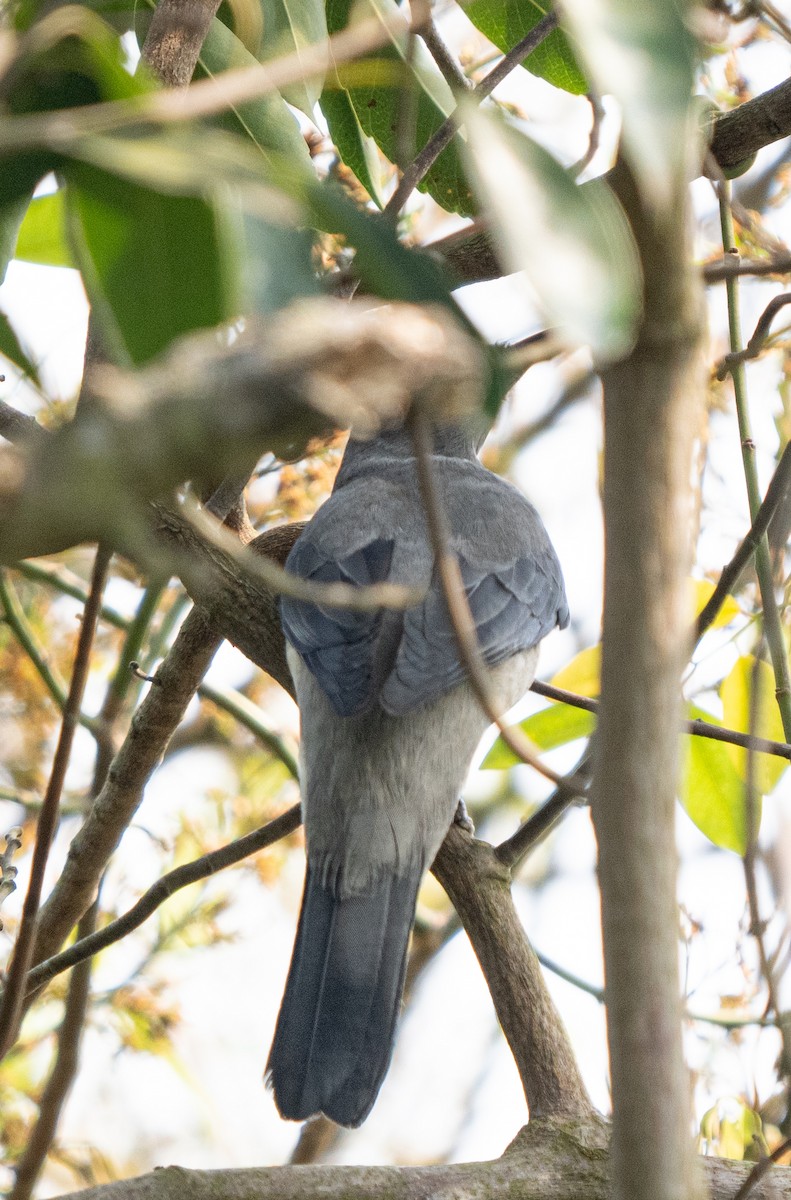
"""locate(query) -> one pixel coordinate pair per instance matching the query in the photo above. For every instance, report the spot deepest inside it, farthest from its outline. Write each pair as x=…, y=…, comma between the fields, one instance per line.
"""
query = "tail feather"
x=334, y=1035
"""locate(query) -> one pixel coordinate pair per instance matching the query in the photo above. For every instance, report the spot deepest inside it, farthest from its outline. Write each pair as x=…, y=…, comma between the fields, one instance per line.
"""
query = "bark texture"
x=651, y=416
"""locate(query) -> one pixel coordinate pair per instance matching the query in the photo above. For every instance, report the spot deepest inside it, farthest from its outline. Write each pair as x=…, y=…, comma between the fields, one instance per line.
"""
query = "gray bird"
x=389, y=727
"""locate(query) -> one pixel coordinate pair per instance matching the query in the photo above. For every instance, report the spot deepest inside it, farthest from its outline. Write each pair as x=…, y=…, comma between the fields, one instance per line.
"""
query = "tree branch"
x=651, y=399
x=479, y=887
x=199, y=413
x=552, y=1159
x=16, y=979
x=424, y=161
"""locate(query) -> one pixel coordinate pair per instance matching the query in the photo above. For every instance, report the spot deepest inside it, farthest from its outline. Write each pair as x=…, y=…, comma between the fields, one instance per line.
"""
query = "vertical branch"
x=763, y=562
x=13, y=996
x=175, y=37
x=651, y=405
x=63, y=1072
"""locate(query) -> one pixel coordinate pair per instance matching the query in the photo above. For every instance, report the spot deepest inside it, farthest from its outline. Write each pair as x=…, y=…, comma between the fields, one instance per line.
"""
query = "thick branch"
x=651, y=407
x=175, y=37
x=550, y=1160
x=200, y=413
x=737, y=135
x=479, y=886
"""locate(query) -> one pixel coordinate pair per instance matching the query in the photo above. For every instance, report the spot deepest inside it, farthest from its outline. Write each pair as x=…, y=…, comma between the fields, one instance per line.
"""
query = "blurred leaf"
x=11, y=218
x=288, y=26
x=582, y=675
x=268, y=120
x=276, y=265
x=76, y=59
x=732, y=1129
x=155, y=266
x=553, y=726
x=712, y=792
x=356, y=149
x=385, y=265
x=11, y=348
x=575, y=246
x=42, y=236
x=645, y=56
x=376, y=89
x=735, y=694
x=701, y=592
x=506, y=22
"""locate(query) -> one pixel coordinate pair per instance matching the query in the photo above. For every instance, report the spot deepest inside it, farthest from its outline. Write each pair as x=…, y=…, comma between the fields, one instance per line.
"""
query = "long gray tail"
x=335, y=1031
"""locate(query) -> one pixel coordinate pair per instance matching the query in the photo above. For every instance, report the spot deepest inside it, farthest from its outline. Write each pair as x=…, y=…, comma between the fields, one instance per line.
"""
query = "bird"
x=389, y=726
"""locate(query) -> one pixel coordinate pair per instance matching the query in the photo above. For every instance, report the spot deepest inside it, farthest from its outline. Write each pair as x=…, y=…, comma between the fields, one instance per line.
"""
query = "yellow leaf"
x=735, y=695
x=701, y=591
x=582, y=674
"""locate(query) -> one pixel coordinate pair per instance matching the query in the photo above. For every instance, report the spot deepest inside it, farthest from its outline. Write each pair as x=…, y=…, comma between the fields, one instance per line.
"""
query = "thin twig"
x=729, y=576
x=760, y=1169
x=597, y=116
x=203, y=98
x=444, y=134
x=511, y=852
x=16, y=982
x=63, y=1072
x=732, y=265
x=459, y=610
x=696, y=728
x=357, y=598
x=192, y=872
x=756, y=342
x=448, y=64
x=249, y=715
x=16, y=426
x=772, y=623
x=65, y=581
x=599, y=994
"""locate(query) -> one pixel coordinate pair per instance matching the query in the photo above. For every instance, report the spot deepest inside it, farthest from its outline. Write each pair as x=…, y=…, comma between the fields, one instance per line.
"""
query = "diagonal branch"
x=424, y=161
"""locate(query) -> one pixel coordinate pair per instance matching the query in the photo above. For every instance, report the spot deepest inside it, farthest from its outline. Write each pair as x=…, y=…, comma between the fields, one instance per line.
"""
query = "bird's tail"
x=335, y=1031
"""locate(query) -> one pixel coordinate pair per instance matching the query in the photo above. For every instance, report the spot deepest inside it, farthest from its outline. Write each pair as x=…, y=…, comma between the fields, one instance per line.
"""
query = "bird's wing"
x=350, y=653
x=514, y=606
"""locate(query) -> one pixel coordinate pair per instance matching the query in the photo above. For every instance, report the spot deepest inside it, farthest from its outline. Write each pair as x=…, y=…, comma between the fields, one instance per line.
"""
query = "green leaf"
x=268, y=121
x=712, y=792
x=11, y=348
x=276, y=265
x=376, y=88
x=288, y=26
x=155, y=266
x=506, y=22
x=643, y=54
x=573, y=243
x=735, y=694
x=42, y=236
x=385, y=265
x=11, y=218
x=356, y=149
x=733, y=1130
x=553, y=726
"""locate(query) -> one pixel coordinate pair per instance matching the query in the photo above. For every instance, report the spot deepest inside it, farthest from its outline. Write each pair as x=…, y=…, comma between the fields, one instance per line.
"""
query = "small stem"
x=16, y=983
x=249, y=715
x=763, y=564
x=63, y=1072
x=162, y=890
x=425, y=160
x=461, y=618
